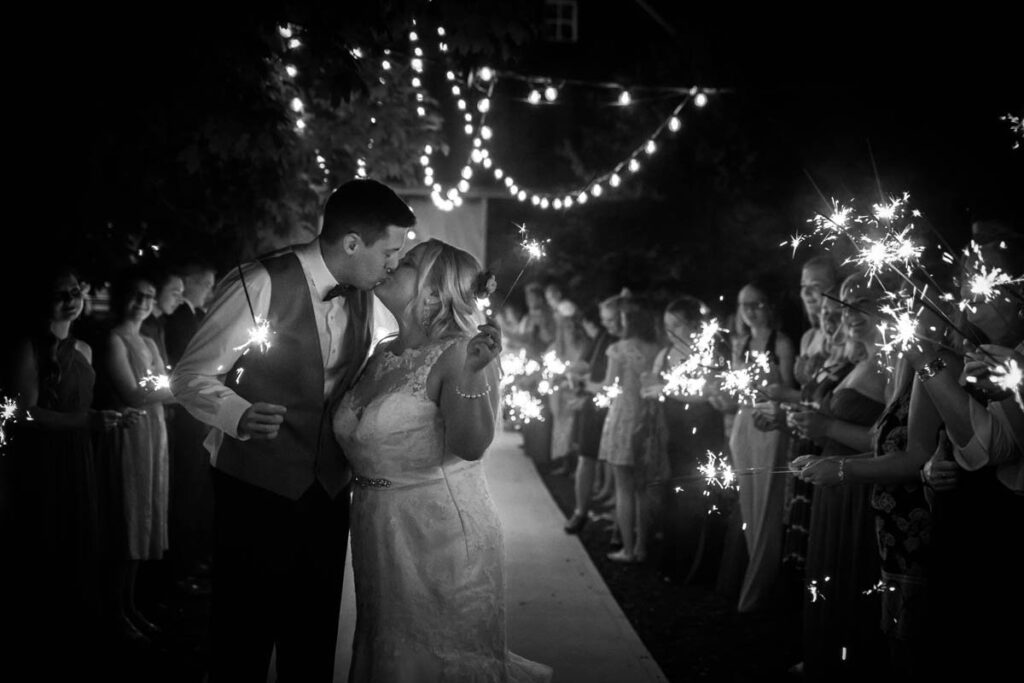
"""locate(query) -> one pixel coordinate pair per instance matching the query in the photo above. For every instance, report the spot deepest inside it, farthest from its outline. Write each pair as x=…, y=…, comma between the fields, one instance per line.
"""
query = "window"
x=560, y=21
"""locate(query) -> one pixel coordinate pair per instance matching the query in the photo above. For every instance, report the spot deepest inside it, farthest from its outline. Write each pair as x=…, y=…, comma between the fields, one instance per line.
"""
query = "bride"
x=427, y=549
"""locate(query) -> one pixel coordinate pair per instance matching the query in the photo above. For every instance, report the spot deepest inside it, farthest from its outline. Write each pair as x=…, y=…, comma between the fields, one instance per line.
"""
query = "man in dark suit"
x=280, y=479
x=198, y=279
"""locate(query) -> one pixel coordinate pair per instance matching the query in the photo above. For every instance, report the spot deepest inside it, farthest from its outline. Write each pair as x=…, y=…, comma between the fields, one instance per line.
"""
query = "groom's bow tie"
x=340, y=290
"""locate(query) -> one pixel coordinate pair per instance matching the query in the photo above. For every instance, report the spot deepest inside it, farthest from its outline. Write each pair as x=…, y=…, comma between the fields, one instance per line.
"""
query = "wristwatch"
x=930, y=369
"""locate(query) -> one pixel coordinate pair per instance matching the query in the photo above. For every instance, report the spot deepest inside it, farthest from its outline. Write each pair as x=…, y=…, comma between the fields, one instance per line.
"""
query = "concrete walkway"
x=560, y=611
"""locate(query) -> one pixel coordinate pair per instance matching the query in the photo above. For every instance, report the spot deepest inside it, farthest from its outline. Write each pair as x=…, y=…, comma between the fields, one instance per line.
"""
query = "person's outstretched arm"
x=470, y=393
x=197, y=381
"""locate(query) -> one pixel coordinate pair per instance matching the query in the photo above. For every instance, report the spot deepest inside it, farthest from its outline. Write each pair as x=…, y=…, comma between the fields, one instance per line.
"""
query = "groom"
x=280, y=479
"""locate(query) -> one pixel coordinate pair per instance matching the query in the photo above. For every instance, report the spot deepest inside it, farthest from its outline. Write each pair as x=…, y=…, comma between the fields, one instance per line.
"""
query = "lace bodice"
x=388, y=412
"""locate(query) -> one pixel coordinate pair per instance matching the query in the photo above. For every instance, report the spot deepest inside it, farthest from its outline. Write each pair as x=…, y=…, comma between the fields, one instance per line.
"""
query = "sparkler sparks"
x=604, y=398
x=8, y=413
x=892, y=210
x=745, y=383
x=155, y=382
x=523, y=406
x=1008, y=376
x=535, y=249
x=815, y=591
x=717, y=472
x=259, y=337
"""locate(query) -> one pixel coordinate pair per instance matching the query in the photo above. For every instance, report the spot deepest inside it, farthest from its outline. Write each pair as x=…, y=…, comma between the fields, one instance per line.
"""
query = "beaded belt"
x=367, y=482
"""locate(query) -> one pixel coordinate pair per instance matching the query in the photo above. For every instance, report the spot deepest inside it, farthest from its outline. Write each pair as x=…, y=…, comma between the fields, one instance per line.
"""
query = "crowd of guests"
x=880, y=493
x=100, y=473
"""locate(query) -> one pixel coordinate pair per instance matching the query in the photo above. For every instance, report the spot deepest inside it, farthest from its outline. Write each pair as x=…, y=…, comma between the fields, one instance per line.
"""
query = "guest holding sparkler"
x=692, y=427
x=841, y=636
x=54, y=594
x=567, y=346
x=610, y=313
x=978, y=506
x=628, y=358
x=134, y=370
x=589, y=419
x=760, y=453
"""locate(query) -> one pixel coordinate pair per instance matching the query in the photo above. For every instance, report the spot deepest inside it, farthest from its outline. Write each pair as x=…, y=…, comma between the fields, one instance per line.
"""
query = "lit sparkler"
x=815, y=591
x=259, y=336
x=880, y=587
x=1017, y=127
x=535, y=250
x=155, y=382
x=1008, y=376
x=717, y=472
x=516, y=365
x=690, y=377
x=523, y=406
x=604, y=398
x=984, y=283
x=8, y=413
x=745, y=383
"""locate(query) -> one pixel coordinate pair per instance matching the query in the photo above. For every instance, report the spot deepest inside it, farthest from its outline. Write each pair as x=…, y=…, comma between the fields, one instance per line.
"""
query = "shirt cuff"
x=975, y=453
x=231, y=410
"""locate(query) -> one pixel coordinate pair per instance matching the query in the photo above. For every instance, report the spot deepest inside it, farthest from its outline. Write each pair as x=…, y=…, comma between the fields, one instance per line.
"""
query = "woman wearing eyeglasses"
x=144, y=463
x=757, y=454
x=52, y=551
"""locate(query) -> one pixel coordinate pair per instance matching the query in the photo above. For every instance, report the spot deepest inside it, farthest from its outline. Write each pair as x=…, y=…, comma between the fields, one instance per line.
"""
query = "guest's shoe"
x=575, y=524
x=623, y=557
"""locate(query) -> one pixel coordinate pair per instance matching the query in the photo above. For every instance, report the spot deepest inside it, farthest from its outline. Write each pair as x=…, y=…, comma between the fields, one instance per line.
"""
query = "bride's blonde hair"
x=454, y=274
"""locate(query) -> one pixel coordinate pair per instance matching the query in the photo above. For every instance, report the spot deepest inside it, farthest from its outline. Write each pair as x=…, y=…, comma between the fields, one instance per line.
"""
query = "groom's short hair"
x=366, y=208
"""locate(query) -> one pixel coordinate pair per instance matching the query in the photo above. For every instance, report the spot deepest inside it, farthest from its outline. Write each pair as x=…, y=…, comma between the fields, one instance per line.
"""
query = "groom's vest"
x=291, y=373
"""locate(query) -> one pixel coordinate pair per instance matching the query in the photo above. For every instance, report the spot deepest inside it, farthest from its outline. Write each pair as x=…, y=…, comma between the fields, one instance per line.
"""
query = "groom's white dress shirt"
x=198, y=379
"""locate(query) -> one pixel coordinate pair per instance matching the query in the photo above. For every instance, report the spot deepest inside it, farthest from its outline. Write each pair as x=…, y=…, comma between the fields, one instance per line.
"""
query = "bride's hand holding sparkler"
x=483, y=349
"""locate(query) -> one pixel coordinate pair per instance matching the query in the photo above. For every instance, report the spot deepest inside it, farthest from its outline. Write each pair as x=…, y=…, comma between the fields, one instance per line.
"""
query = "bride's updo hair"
x=457, y=278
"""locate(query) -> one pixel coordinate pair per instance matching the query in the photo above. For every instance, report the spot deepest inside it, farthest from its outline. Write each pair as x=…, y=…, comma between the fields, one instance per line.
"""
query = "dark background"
x=162, y=125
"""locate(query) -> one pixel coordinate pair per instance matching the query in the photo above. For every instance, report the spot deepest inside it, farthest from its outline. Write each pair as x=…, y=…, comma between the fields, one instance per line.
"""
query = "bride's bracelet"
x=460, y=394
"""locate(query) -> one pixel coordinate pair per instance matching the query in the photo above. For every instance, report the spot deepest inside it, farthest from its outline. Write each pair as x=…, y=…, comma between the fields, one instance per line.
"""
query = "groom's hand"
x=261, y=421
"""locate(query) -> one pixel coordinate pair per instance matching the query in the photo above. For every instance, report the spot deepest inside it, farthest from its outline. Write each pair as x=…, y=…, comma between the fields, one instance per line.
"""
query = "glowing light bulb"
x=456, y=90
x=386, y=65
x=634, y=165
x=296, y=104
x=421, y=111
x=413, y=36
x=476, y=156
x=551, y=93
x=463, y=186
x=700, y=100
x=291, y=71
x=614, y=180
x=484, y=105
x=557, y=203
x=295, y=43
x=581, y=198
x=417, y=65
x=300, y=124
x=650, y=147
x=499, y=174
x=521, y=195
x=416, y=82
x=567, y=202
x=486, y=73
x=674, y=124
x=468, y=128
x=486, y=133
x=596, y=190
x=625, y=98
x=467, y=172
x=533, y=97
x=285, y=31
x=544, y=203
x=487, y=162
x=450, y=75
x=428, y=149
x=418, y=52
x=425, y=160
x=453, y=193
x=461, y=104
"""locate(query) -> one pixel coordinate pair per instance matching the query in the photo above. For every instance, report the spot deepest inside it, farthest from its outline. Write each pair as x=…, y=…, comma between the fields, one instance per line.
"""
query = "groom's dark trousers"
x=277, y=578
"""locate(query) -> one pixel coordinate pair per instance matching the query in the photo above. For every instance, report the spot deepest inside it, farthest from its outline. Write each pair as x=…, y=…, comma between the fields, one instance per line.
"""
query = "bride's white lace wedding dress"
x=427, y=548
